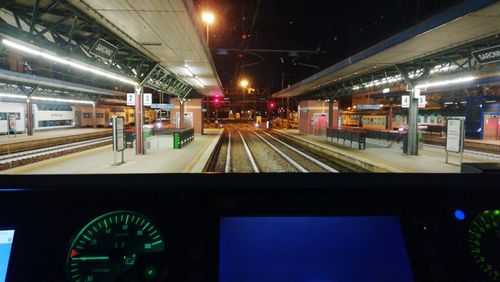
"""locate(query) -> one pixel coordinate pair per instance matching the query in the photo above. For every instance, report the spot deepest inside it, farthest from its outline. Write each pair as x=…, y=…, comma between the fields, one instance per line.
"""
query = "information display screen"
x=6, y=239
x=314, y=249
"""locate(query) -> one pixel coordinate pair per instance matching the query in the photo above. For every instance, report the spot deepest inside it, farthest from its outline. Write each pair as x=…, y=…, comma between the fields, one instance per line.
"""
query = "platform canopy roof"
x=169, y=31
x=441, y=43
x=160, y=43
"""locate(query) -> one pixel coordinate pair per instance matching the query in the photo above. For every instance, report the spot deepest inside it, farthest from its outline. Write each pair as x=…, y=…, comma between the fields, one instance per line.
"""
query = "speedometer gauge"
x=484, y=243
x=118, y=246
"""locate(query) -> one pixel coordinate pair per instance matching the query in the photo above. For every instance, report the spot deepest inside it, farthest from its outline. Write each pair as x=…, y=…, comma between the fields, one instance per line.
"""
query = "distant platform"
x=380, y=157
x=160, y=158
x=22, y=142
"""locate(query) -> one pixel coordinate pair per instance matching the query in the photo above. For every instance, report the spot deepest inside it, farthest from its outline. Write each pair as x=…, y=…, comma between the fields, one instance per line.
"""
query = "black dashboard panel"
x=47, y=212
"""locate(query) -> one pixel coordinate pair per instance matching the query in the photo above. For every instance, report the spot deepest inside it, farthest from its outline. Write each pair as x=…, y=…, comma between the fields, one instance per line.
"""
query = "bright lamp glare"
x=64, y=61
x=446, y=82
x=199, y=82
x=208, y=17
x=189, y=70
x=244, y=83
x=13, y=96
x=62, y=100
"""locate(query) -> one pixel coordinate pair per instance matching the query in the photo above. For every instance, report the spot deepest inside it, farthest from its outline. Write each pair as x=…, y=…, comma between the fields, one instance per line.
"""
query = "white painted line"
x=323, y=165
x=294, y=163
x=228, y=155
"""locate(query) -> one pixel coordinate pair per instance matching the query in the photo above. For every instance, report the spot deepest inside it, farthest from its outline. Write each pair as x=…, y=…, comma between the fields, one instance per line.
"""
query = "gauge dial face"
x=484, y=243
x=111, y=245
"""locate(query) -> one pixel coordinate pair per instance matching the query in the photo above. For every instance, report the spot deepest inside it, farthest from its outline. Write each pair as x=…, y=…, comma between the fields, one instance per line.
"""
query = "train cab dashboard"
x=266, y=227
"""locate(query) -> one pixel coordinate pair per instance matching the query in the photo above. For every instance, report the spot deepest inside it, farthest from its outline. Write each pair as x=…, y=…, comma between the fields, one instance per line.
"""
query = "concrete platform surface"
x=41, y=135
x=161, y=158
x=431, y=158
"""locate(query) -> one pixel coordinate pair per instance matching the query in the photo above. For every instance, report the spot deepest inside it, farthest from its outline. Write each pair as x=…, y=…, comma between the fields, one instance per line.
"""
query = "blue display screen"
x=312, y=249
x=6, y=239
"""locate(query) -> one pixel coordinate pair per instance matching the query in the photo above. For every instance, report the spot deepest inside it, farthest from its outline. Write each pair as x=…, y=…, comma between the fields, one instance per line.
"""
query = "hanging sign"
x=103, y=49
x=422, y=101
x=130, y=99
x=148, y=99
x=488, y=55
x=166, y=107
x=405, y=101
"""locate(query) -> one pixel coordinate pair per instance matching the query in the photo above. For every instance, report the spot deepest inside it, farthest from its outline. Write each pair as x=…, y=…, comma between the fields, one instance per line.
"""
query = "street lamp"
x=244, y=83
x=208, y=18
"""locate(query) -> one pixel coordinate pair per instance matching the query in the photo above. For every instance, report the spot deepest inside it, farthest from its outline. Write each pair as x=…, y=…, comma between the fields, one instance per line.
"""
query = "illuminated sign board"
x=163, y=106
x=368, y=107
x=488, y=55
x=103, y=49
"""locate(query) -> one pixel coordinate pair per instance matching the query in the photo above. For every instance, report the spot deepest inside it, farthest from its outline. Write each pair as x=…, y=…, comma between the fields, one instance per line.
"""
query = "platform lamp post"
x=208, y=18
x=244, y=83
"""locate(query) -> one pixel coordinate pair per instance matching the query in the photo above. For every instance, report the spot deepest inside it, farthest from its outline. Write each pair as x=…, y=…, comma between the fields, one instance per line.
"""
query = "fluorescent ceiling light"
x=62, y=100
x=13, y=96
x=199, y=82
x=75, y=64
x=446, y=82
x=189, y=71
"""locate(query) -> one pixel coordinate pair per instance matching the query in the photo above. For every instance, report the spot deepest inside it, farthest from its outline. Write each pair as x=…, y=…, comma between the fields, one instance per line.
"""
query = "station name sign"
x=103, y=49
x=488, y=55
x=163, y=106
x=368, y=107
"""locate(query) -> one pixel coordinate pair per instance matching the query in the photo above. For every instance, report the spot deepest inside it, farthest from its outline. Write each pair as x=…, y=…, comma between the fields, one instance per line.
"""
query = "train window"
x=62, y=108
x=6, y=116
x=99, y=115
x=87, y=115
x=53, y=123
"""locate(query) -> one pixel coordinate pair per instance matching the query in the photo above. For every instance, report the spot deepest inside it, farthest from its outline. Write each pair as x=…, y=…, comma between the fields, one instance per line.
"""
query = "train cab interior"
x=249, y=141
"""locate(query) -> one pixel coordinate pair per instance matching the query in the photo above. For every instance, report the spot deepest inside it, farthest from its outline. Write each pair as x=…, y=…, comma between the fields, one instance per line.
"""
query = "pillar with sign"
x=413, y=102
x=181, y=113
x=139, y=121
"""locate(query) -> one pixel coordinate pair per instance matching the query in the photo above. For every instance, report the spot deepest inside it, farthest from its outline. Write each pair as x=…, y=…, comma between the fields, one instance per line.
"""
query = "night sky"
x=338, y=28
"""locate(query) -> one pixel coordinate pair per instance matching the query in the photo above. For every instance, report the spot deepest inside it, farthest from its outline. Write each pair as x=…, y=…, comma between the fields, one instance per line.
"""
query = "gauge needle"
x=91, y=258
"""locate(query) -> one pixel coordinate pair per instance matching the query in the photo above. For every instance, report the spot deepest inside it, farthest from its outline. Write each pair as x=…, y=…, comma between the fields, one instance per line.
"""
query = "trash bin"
x=177, y=140
x=147, y=131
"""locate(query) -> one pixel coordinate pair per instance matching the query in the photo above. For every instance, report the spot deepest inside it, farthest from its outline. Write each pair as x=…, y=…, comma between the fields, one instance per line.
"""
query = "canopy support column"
x=139, y=121
x=412, y=113
x=94, y=113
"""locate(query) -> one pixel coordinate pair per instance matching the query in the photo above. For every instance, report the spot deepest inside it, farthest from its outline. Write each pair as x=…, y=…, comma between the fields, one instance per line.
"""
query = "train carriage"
x=9, y=110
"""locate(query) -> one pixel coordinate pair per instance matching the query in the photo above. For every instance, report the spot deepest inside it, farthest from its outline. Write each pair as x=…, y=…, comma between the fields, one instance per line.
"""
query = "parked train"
x=57, y=116
x=381, y=122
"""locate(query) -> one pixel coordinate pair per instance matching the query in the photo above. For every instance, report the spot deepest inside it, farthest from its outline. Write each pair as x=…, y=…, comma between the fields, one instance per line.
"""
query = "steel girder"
x=57, y=25
x=44, y=91
x=452, y=61
x=163, y=80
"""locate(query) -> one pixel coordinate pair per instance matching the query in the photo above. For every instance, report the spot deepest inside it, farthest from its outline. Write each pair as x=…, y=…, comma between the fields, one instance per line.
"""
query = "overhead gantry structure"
x=141, y=44
x=435, y=51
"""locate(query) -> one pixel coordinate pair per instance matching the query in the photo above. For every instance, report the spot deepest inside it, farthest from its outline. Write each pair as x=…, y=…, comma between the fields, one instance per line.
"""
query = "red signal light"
x=240, y=55
x=244, y=36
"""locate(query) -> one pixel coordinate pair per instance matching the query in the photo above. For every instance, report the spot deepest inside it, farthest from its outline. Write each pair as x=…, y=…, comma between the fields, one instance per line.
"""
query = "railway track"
x=247, y=150
x=8, y=161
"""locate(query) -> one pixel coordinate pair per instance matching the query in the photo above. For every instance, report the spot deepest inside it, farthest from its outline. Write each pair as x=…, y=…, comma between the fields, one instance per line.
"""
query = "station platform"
x=378, y=158
x=160, y=158
x=22, y=142
x=488, y=146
